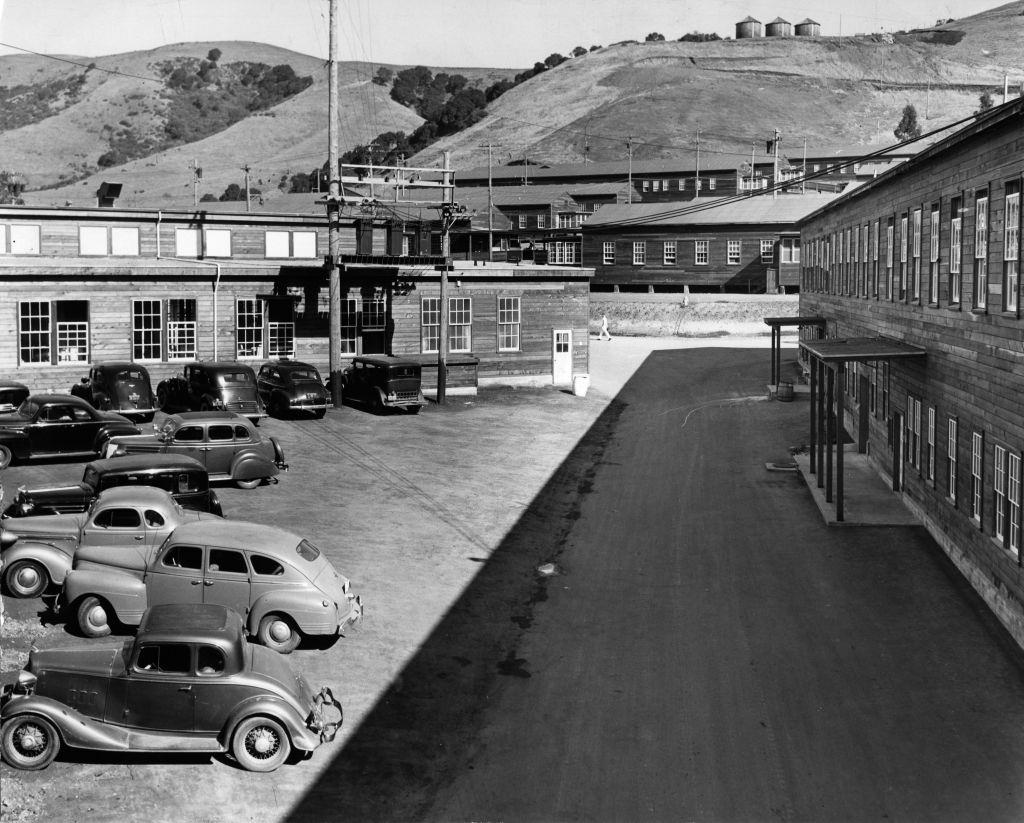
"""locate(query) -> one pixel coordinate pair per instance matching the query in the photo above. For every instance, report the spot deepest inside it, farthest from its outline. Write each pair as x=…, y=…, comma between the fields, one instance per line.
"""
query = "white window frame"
x=92, y=241
x=999, y=508
x=655, y=185
x=186, y=242
x=669, y=253
x=284, y=244
x=349, y=324
x=977, y=476
x=711, y=183
x=509, y=323
x=645, y=185
x=916, y=253
x=124, y=241
x=460, y=325
x=522, y=221
x=700, y=252
x=767, y=252
x=981, y=252
x=25, y=238
x=733, y=252
x=47, y=339
x=147, y=330
x=430, y=324
x=914, y=431
x=1011, y=251
x=217, y=242
x=181, y=334
x=249, y=316
x=542, y=221
x=789, y=250
x=952, y=462
x=935, y=225
x=930, y=434
x=608, y=253
x=639, y=252
x=1013, y=493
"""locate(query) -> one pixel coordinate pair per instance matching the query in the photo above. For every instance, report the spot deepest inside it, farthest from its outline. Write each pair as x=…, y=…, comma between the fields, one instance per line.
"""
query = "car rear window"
x=305, y=374
x=307, y=551
x=220, y=433
x=129, y=374
x=173, y=658
x=402, y=371
x=235, y=378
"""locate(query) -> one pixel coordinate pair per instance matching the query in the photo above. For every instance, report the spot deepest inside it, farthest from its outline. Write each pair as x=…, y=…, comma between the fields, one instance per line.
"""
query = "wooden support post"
x=830, y=429
x=814, y=414
x=840, y=380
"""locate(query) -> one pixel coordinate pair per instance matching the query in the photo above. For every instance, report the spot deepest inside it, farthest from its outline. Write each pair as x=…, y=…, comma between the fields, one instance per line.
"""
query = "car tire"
x=26, y=578
x=249, y=484
x=93, y=617
x=30, y=742
x=6, y=456
x=278, y=407
x=278, y=633
x=161, y=398
x=260, y=744
x=319, y=413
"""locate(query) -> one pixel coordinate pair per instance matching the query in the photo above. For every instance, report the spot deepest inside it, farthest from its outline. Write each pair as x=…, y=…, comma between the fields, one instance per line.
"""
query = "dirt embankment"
x=695, y=315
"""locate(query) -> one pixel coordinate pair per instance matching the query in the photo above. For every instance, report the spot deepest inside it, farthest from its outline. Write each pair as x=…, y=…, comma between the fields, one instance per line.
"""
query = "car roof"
x=193, y=622
x=10, y=384
x=239, y=534
x=117, y=365
x=145, y=462
x=60, y=398
x=202, y=416
x=135, y=495
x=384, y=360
x=222, y=365
x=290, y=365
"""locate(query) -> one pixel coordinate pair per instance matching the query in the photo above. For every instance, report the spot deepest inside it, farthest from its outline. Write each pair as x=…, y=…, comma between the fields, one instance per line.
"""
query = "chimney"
x=106, y=194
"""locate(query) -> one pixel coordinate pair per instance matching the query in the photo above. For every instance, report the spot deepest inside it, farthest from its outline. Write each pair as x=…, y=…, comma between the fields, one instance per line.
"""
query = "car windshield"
x=28, y=408
x=402, y=371
x=306, y=374
x=234, y=378
x=307, y=551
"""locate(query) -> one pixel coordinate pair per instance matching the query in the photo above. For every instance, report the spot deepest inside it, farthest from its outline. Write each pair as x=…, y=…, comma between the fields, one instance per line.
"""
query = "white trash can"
x=580, y=384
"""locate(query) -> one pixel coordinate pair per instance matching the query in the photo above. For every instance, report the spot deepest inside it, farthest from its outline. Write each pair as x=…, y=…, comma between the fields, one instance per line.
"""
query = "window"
x=767, y=252
x=53, y=331
x=999, y=493
x=904, y=240
x=700, y=252
x=1013, y=487
x=669, y=253
x=508, y=324
x=281, y=244
x=889, y=254
x=460, y=324
x=885, y=390
x=681, y=183
x=118, y=519
x=570, y=220
x=522, y=221
x=915, y=251
x=1011, y=247
x=280, y=328
x=563, y=252
x=645, y=185
x=249, y=328
x=977, y=473
x=789, y=250
x=955, y=248
x=933, y=257
x=184, y=557
x=146, y=328
x=639, y=253
x=189, y=434
x=267, y=566
x=349, y=324
x=981, y=251
x=101, y=240
x=656, y=185
x=930, y=435
x=608, y=253
x=220, y=433
x=914, y=431
x=542, y=221
x=152, y=319
x=181, y=329
x=711, y=183
x=210, y=661
x=168, y=658
x=227, y=560
x=23, y=239
x=875, y=231
x=951, y=459
x=186, y=242
x=733, y=252
x=218, y=242
x=430, y=324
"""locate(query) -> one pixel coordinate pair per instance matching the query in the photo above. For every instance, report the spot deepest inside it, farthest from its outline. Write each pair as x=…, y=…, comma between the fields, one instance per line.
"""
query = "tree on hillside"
x=213, y=55
x=699, y=37
x=986, y=102
x=384, y=76
x=654, y=37
x=553, y=60
x=11, y=187
x=579, y=51
x=908, y=128
x=595, y=48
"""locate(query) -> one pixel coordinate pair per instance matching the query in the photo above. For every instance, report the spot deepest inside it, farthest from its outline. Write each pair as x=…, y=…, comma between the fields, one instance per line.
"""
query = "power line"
x=86, y=66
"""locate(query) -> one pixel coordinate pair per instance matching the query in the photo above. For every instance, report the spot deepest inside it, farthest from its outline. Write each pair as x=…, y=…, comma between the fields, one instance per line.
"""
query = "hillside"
x=833, y=92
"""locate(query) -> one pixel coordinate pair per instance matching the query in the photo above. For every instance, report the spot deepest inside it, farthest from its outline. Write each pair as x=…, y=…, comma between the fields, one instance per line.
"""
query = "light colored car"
x=127, y=522
x=282, y=585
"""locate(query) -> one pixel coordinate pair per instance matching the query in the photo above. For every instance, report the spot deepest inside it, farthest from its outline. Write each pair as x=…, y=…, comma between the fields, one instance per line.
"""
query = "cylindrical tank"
x=808, y=28
x=778, y=28
x=748, y=28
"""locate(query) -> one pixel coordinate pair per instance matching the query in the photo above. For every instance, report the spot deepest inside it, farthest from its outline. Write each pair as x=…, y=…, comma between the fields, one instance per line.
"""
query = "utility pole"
x=629, y=189
x=803, y=171
x=449, y=214
x=696, y=184
x=197, y=175
x=334, y=211
x=775, y=163
x=248, y=202
x=490, y=208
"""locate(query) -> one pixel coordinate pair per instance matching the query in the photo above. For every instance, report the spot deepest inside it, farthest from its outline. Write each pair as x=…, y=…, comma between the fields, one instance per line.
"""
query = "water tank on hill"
x=779, y=28
x=748, y=27
x=808, y=28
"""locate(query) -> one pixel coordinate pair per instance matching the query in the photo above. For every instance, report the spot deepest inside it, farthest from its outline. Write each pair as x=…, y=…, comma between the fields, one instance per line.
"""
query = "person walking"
x=605, y=334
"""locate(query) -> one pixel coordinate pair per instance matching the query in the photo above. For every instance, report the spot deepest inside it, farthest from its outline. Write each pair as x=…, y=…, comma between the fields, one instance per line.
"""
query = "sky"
x=450, y=33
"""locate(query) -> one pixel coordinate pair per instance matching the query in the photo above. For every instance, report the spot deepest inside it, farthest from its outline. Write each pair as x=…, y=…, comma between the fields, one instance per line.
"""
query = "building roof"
x=748, y=19
x=808, y=21
x=861, y=349
x=760, y=209
x=778, y=20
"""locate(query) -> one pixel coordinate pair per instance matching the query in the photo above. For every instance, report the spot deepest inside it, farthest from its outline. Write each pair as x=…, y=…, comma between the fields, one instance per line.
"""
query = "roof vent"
x=107, y=194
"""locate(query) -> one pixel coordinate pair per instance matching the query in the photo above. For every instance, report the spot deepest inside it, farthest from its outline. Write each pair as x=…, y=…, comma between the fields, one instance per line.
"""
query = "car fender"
x=278, y=454
x=248, y=465
x=113, y=429
x=273, y=707
x=174, y=389
x=17, y=442
x=56, y=559
x=125, y=593
x=75, y=728
x=303, y=606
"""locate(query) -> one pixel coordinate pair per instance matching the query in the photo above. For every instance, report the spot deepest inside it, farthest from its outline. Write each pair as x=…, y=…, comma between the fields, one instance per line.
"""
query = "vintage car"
x=122, y=387
x=287, y=386
x=184, y=477
x=11, y=395
x=129, y=523
x=210, y=387
x=381, y=382
x=57, y=425
x=282, y=585
x=189, y=682
x=227, y=445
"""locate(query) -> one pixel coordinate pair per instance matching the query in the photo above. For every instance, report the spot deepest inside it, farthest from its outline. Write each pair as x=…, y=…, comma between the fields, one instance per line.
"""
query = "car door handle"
x=195, y=582
x=140, y=537
x=204, y=448
x=207, y=582
x=185, y=689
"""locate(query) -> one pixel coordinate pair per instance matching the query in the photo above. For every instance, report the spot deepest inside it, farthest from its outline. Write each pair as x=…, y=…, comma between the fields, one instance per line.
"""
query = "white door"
x=561, y=356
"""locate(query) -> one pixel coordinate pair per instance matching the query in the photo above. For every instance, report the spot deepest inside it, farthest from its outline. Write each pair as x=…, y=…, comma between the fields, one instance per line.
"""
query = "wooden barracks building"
x=917, y=276
x=84, y=285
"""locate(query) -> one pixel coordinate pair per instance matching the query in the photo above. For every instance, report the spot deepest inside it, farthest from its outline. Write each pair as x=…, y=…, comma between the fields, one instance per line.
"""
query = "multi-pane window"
x=700, y=252
x=711, y=183
x=53, y=332
x=914, y=431
x=733, y=252
x=646, y=185
x=656, y=185
x=999, y=492
x=885, y=389
x=951, y=458
x=767, y=252
x=249, y=328
x=955, y=248
x=430, y=324
x=460, y=324
x=933, y=257
x=280, y=328
x=181, y=329
x=669, y=253
x=608, y=253
x=930, y=437
x=22, y=239
x=147, y=325
x=542, y=221
x=217, y=242
x=858, y=285
x=522, y=221
x=977, y=473
x=1013, y=487
x=153, y=320
x=1011, y=247
x=789, y=250
x=981, y=251
x=103, y=240
x=281, y=244
x=889, y=255
x=563, y=252
x=639, y=253
x=569, y=220
x=509, y=322
x=916, y=253
x=349, y=324
x=186, y=242
x=875, y=231
x=904, y=238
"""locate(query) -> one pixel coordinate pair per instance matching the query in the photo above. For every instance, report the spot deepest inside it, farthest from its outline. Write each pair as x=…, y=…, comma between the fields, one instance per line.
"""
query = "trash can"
x=580, y=384
x=784, y=392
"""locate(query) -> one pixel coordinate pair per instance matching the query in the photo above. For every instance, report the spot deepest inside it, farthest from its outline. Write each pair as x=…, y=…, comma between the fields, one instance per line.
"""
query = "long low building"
x=84, y=285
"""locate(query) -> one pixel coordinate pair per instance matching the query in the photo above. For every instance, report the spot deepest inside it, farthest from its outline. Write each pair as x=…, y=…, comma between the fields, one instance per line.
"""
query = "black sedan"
x=289, y=385
x=11, y=395
x=119, y=386
x=57, y=425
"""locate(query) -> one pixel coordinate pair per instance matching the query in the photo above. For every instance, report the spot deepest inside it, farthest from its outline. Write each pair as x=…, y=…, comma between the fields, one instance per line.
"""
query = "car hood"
x=53, y=526
x=13, y=420
x=101, y=659
x=272, y=665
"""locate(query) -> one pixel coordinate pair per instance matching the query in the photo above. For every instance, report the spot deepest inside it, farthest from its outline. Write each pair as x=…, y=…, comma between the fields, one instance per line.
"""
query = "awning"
x=863, y=349
x=796, y=320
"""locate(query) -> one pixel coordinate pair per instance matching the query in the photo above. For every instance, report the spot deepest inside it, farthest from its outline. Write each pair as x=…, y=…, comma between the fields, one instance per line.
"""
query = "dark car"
x=184, y=477
x=120, y=386
x=212, y=386
x=11, y=395
x=382, y=382
x=188, y=682
x=57, y=425
x=287, y=386
x=228, y=446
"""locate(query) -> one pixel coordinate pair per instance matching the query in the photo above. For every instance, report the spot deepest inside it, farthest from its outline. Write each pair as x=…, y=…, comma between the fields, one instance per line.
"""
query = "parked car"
x=184, y=477
x=120, y=386
x=282, y=585
x=57, y=425
x=11, y=395
x=287, y=386
x=227, y=445
x=188, y=682
x=212, y=386
x=128, y=523
x=381, y=381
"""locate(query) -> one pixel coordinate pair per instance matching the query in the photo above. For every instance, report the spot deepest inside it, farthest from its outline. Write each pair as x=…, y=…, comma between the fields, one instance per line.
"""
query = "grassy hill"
x=833, y=92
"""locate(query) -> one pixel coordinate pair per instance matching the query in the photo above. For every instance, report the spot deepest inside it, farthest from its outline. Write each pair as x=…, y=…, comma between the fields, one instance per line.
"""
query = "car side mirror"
x=85, y=379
